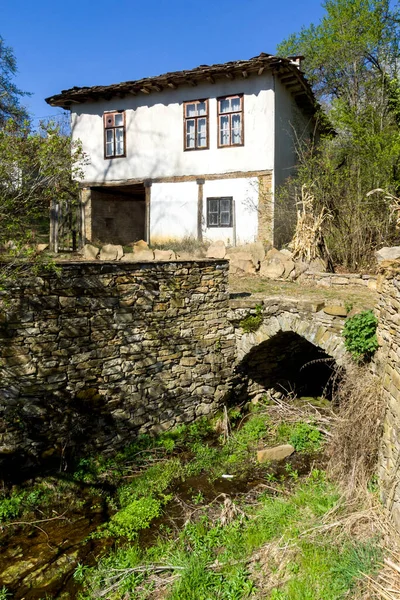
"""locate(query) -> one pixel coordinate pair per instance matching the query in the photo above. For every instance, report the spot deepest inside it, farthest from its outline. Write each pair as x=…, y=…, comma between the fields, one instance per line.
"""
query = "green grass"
x=321, y=568
x=208, y=559
x=324, y=571
x=204, y=556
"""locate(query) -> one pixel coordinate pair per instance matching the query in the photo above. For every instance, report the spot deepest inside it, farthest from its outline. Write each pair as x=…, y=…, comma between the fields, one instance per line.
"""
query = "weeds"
x=4, y=593
x=252, y=323
x=360, y=336
x=22, y=502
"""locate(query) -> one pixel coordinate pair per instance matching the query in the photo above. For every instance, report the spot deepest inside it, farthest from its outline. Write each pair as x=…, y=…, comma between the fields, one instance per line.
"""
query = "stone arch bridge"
x=296, y=348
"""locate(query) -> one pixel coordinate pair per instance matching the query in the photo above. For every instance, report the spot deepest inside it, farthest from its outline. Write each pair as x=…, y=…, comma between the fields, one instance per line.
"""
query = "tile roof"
x=286, y=69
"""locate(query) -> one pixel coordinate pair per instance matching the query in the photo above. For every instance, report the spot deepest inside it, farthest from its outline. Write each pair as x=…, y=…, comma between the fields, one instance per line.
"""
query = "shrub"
x=252, y=322
x=360, y=336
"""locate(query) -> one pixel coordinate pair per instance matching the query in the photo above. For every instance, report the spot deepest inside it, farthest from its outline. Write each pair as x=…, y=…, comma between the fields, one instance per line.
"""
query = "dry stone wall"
x=99, y=352
x=387, y=366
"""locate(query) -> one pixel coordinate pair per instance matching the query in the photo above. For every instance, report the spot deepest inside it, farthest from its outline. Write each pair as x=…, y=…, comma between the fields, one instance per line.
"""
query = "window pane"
x=109, y=142
x=190, y=110
x=201, y=133
x=190, y=134
x=225, y=218
x=119, y=119
x=225, y=204
x=212, y=212
x=213, y=205
x=201, y=109
x=224, y=131
x=119, y=141
x=235, y=104
x=224, y=105
x=109, y=149
x=236, y=129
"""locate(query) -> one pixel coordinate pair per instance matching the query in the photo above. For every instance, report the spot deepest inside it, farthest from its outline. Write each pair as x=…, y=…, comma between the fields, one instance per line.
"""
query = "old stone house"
x=196, y=153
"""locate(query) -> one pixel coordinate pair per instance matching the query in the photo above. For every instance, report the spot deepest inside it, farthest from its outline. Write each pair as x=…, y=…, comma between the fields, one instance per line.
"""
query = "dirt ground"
x=358, y=297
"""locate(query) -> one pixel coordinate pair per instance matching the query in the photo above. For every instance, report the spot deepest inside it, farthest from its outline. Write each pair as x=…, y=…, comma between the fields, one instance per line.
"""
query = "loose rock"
x=90, y=252
x=276, y=453
x=111, y=252
x=216, y=250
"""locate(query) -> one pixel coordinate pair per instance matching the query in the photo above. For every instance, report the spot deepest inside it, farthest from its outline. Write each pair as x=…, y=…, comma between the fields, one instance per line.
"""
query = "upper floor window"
x=230, y=121
x=196, y=124
x=114, y=134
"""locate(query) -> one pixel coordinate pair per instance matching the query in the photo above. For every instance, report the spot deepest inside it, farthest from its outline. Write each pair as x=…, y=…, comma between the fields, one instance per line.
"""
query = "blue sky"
x=61, y=44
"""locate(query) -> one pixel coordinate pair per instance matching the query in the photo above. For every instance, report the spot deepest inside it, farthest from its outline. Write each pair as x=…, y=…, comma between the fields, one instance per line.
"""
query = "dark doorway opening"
x=118, y=214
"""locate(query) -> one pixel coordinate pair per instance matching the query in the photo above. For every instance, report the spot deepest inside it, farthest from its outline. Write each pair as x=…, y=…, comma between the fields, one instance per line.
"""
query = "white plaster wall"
x=173, y=211
x=155, y=133
x=244, y=192
x=290, y=126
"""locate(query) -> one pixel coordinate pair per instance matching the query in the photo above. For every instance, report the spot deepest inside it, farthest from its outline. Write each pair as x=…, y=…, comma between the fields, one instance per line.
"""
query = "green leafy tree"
x=352, y=59
x=35, y=167
x=10, y=94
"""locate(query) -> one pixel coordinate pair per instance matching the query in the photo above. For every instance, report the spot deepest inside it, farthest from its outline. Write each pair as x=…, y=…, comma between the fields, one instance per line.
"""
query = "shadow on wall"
x=287, y=363
x=94, y=356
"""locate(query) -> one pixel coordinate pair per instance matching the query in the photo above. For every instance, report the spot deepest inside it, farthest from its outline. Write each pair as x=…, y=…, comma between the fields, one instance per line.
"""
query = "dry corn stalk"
x=308, y=240
x=394, y=203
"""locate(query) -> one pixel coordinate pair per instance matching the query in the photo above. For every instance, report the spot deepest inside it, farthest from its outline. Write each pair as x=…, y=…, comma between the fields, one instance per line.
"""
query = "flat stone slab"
x=275, y=453
x=335, y=310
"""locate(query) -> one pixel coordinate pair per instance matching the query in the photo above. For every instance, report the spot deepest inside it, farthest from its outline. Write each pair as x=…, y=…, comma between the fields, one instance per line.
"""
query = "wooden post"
x=54, y=225
x=147, y=188
x=234, y=223
x=200, y=193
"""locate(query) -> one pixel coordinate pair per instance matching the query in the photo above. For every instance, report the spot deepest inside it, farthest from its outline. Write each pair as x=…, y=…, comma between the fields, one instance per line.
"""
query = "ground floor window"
x=219, y=212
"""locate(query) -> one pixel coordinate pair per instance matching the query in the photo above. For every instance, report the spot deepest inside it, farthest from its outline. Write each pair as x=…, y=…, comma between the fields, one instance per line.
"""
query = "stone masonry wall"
x=100, y=352
x=387, y=366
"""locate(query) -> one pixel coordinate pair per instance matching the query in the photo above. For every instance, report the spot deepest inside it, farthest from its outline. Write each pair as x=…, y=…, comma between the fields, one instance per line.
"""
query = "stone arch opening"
x=287, y=363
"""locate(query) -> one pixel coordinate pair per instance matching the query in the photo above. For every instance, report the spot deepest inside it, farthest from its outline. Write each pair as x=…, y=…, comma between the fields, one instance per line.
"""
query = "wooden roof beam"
x=145, y=90
x=191, y=82
x=172, y=85
x=229, y=75
x=245, y=74
x=287, y=79
x=211, y=79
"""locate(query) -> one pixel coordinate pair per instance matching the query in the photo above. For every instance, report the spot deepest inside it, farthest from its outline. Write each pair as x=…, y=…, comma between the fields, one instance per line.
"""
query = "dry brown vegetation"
x=358, y=427
x=308, y=240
